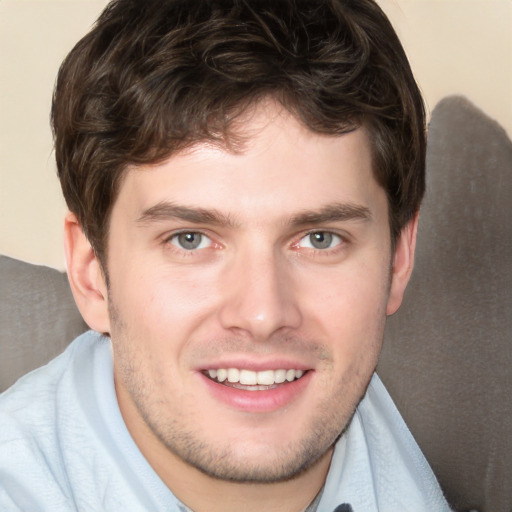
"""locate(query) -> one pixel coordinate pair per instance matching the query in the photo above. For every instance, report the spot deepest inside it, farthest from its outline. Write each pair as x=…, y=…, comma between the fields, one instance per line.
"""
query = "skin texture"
x=256, y=293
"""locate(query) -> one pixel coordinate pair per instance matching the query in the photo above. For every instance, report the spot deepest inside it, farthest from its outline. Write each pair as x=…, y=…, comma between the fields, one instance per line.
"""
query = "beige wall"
x=455, y=47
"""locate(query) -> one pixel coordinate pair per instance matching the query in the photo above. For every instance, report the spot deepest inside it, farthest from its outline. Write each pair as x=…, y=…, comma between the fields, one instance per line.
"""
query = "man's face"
x=248, y=295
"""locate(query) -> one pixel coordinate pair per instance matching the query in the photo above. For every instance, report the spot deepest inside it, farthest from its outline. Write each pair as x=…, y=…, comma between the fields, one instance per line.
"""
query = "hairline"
x=233, y=142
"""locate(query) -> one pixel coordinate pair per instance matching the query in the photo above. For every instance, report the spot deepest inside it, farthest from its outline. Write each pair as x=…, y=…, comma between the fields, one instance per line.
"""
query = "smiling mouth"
x=253, y=381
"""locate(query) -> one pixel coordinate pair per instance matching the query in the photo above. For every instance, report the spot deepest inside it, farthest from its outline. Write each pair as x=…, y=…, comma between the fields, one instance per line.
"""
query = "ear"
x=403, y=263
x=86, y=276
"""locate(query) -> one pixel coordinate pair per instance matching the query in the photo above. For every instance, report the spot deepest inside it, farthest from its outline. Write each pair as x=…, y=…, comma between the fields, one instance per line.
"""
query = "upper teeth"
x=250, y=378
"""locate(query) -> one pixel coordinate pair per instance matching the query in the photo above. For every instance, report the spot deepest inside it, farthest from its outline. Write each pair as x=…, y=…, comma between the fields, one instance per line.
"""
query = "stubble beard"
x=224, y=461
x=230, y=463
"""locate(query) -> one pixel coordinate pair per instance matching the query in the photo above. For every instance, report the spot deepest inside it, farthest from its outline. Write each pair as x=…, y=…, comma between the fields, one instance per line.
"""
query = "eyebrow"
x=334, y=212
x=165, y=210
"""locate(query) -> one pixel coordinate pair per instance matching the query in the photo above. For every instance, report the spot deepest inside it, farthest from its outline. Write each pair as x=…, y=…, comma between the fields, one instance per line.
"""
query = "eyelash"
x=176, y=236
x=338, y=238
x=171, y=243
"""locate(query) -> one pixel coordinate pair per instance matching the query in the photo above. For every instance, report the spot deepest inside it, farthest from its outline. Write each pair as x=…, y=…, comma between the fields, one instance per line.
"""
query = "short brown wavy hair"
x=155, y=76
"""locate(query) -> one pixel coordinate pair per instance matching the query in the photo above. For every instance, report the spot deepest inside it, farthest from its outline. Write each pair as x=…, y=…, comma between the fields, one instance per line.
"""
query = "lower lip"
x=265, y=401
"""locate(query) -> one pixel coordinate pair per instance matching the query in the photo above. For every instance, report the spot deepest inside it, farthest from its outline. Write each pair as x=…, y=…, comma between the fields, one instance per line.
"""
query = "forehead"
x=278, y=166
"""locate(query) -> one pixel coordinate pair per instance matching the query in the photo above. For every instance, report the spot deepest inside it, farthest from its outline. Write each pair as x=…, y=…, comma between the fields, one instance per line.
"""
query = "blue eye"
x=320, y=240
x=190, y=240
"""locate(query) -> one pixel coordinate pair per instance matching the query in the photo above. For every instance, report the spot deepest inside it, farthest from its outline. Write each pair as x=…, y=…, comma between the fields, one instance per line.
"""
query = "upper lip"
x=275, y=363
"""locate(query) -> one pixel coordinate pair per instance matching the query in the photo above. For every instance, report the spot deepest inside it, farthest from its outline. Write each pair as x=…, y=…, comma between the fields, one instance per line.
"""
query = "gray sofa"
x=447, y=359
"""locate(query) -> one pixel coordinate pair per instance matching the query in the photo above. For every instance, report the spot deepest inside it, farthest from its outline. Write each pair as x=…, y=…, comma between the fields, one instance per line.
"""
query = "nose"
x=259, y=296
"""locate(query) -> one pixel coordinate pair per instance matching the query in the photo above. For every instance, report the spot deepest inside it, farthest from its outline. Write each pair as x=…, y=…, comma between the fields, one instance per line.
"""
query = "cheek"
x=349, y=310
x=352, y=296
x=159, y=305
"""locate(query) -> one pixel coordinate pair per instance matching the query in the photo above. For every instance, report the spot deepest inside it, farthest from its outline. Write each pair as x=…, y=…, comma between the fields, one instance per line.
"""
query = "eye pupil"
x=189, y=240
x=321, y=240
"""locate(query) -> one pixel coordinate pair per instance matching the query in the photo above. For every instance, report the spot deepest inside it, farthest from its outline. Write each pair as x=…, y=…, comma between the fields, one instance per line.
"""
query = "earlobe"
x=86, y=276
x=403, y=263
